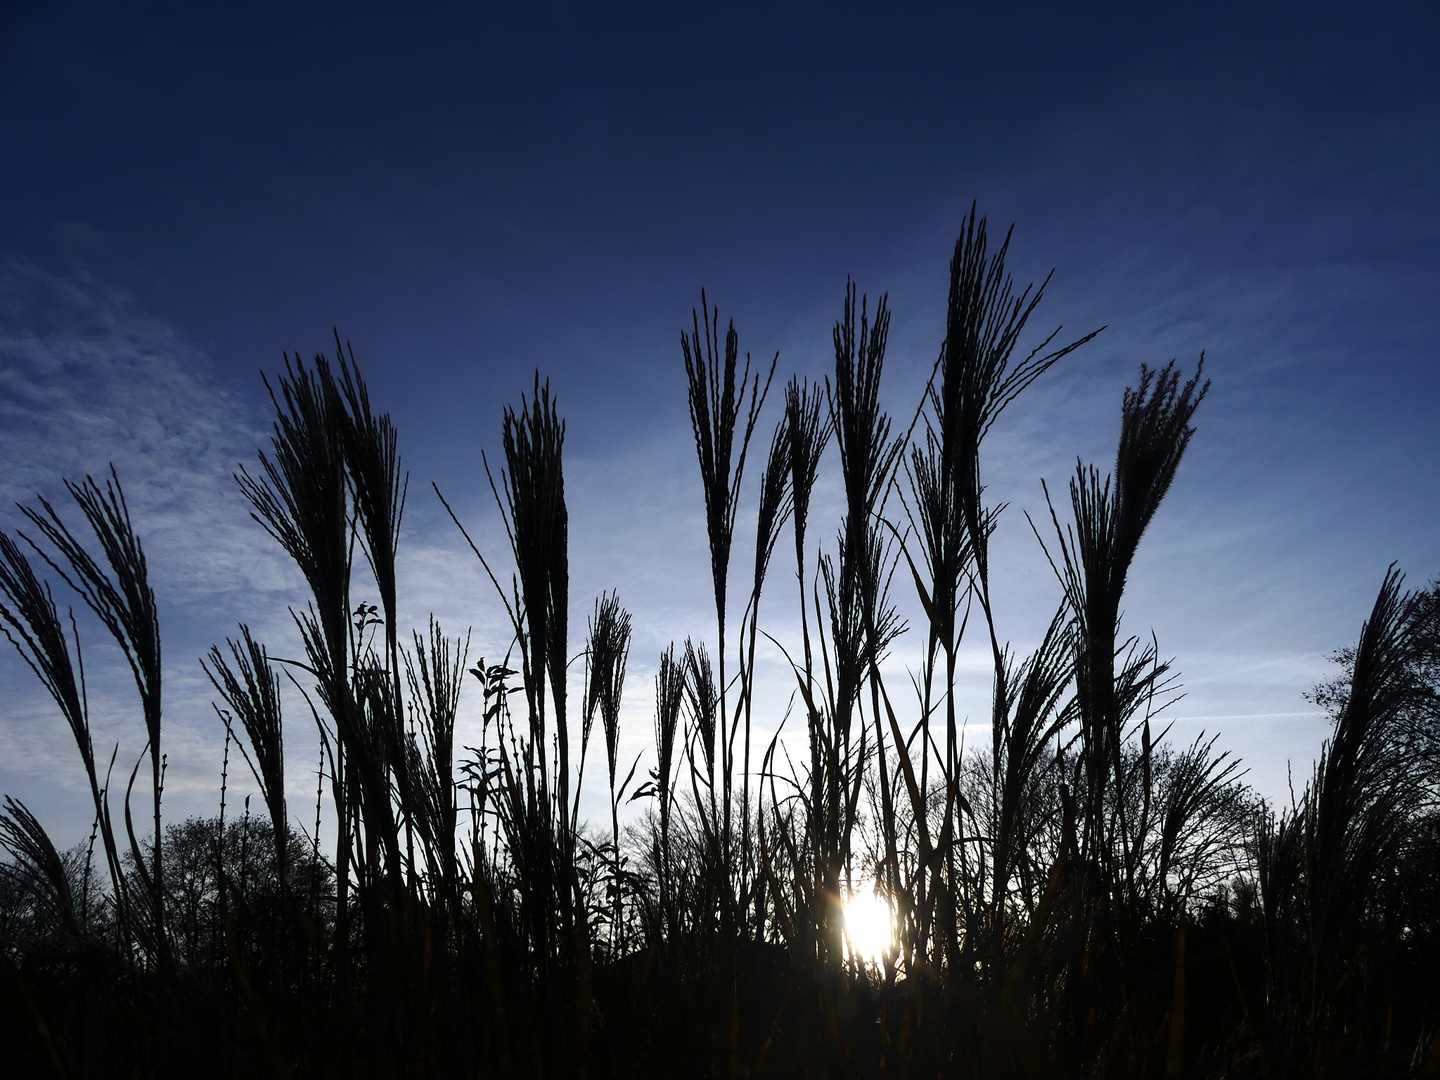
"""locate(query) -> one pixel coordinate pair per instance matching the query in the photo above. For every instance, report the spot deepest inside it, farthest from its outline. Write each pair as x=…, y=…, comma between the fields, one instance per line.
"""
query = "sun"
x=869, y=926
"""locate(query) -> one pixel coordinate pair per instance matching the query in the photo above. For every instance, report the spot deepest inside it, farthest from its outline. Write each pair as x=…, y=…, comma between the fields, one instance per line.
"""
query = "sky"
x=473, y=193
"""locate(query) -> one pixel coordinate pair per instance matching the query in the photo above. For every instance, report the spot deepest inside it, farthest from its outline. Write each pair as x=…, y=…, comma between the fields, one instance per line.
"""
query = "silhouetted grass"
x=1080, y=897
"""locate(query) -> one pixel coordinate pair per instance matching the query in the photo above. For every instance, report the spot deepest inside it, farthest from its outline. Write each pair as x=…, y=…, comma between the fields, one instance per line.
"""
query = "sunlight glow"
x=869, y=926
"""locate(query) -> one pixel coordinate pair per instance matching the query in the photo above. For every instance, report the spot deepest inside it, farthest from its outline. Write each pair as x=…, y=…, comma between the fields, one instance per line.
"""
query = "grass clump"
x=1080, y=897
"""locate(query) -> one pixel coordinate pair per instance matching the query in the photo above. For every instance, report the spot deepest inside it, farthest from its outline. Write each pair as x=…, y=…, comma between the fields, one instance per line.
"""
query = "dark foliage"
x=1082, y=897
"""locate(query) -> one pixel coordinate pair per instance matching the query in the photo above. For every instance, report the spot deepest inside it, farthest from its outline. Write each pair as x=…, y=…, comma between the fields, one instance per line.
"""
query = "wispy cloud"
x=89, y=380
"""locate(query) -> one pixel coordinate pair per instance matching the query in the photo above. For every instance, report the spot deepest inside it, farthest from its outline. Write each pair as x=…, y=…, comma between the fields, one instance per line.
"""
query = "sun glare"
x=869, y=926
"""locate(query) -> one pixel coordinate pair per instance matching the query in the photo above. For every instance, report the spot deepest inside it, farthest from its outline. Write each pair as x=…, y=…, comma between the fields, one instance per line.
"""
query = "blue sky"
x=480, y=191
